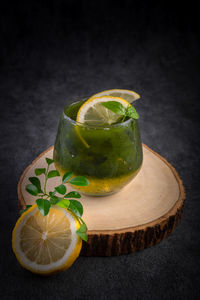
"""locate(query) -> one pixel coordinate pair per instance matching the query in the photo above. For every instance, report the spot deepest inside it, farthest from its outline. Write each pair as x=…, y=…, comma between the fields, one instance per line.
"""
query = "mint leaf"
x=36, y=182
x=32, y=189
x=82, y=232
x=119, y=109
x=80, y=180
x=61, y=189
x=76, y=207
x=67, y=176
x=49, y=160
x=40, y=171
x=115, y=107
x=43, y=206
x=23, y=210
x=72, y=195
x=53, y=173
x=132, y=113
x=64, y=203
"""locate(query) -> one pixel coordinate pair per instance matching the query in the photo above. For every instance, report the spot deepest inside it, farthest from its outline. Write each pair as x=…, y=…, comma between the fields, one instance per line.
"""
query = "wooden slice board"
x=139, y=216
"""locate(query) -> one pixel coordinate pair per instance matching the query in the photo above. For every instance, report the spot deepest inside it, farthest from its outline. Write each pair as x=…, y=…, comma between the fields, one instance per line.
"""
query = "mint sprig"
x=59, y=196
x=120, y=110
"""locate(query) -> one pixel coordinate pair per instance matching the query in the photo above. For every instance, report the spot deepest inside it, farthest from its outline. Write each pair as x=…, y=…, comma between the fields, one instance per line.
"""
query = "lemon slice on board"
x=46, y=245
x=92, y=112
x=128, y=95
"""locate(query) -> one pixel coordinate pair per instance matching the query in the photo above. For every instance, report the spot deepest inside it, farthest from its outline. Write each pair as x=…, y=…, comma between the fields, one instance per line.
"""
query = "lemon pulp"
x=92, y=112
x=46, y=244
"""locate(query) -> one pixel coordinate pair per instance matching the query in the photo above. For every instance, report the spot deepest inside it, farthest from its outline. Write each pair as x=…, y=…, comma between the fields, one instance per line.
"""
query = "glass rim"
x=98, y=126
x=76, y=100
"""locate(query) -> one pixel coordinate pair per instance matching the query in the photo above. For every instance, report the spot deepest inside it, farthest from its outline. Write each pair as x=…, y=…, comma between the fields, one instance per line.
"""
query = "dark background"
x=53, y=52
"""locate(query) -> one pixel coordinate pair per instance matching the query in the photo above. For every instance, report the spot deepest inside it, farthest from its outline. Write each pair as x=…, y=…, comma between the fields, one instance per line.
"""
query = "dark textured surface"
x=51, y=54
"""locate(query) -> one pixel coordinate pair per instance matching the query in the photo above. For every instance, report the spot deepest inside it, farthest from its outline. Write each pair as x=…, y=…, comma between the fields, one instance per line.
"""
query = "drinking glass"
x=109, y=156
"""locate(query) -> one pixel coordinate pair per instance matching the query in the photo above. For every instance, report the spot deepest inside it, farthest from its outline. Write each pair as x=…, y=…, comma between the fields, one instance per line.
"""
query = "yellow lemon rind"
x=59, y=269
x=121, y=91
x=119, y=99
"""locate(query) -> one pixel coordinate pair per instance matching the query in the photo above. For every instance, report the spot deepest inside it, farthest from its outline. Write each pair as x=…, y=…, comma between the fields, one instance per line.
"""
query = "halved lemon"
x=92, y=112
x=46, y=245
x=128, y=95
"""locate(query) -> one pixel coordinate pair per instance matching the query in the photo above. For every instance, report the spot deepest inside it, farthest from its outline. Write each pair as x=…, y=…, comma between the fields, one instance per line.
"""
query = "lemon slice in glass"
x=128, y=95
x=92, y=112
x=46, y=244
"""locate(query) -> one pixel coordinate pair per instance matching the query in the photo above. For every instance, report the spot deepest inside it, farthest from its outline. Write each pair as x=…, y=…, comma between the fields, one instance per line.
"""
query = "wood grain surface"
x=141, y=215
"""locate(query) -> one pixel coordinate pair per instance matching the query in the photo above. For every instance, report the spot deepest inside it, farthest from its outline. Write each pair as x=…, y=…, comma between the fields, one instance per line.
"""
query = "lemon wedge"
x=46, y=245
x=128, y=95
x=92, y=112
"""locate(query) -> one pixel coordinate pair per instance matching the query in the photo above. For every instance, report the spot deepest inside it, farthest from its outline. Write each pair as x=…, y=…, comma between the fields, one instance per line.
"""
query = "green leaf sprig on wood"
x=59, y=196
x=120, y=110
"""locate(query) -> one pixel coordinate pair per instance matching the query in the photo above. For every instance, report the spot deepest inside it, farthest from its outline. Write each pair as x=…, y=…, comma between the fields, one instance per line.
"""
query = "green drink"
x=110, y=156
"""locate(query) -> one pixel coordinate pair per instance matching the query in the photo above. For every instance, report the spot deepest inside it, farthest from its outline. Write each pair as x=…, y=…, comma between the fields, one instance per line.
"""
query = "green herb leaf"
x=51, y=194
x=40, y=171
x=76, y=207
x=32, y=189
x=64, y=203
x=119, y=109
x=36, y=182
x=23, y=210
x=54, y=199
x=49, y=160
x=43, y=206
x=115, y=106
x=80, y=180
x=53, y=173
x=67, y=176
x=132, y=113
x=72, y=195
x=82, y=232
x=61, y=189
